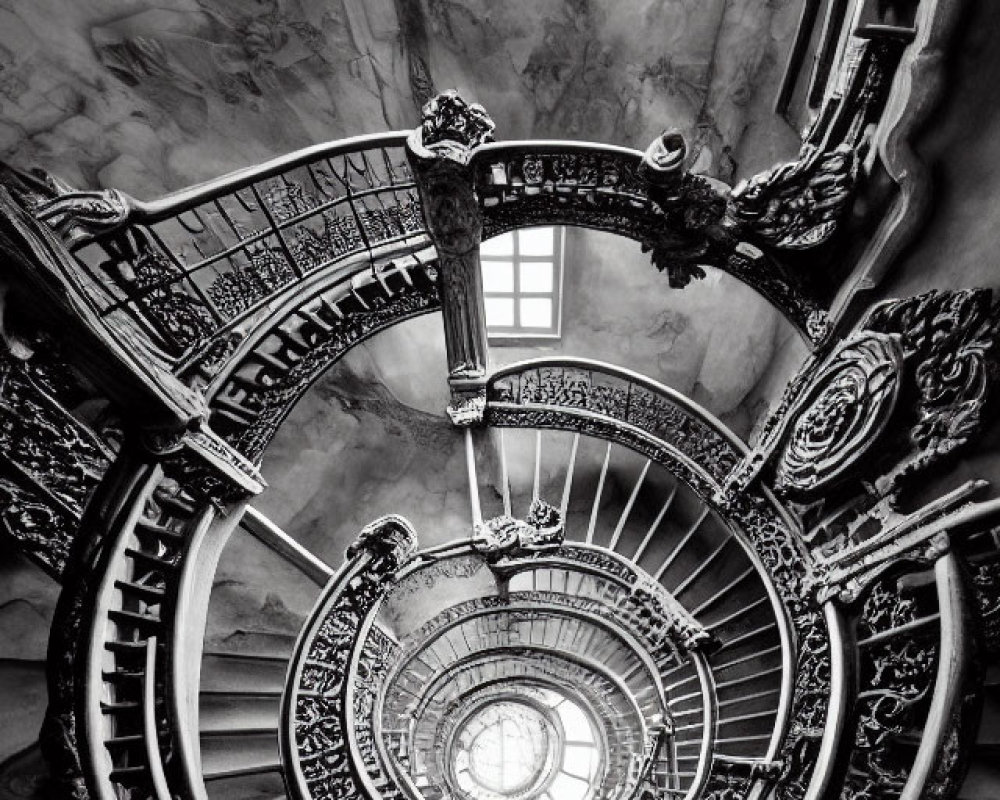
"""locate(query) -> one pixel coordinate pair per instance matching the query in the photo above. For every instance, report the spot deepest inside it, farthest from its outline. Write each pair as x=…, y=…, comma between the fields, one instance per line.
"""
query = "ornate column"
x=440, y=152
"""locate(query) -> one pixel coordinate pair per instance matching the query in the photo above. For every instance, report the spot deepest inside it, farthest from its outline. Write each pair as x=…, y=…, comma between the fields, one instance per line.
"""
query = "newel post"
x=440, y=153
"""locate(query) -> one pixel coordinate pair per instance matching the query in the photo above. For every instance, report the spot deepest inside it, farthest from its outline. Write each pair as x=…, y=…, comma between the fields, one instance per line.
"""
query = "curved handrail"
x=637, y=378
x=98, y=727
x=184, y=269
x=442, y=676
x=148, y=212
x=160, y=789
x=132, y=605
x=837, y=708
x=355, y=642
x=492, y=149
x=584, y=184
x=257, y=387
x=954, y=663
x=689, y=457
x=598, y=186
x=708, y=699
x=190, y=614
x=352, y=570
x=346, y=275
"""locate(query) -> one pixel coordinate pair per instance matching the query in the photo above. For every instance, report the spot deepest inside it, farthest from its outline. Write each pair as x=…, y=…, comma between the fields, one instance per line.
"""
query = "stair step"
x=160, y=530
x=142, y=622
x=149, y=561
x=229, y=712
x=239, y=754
x=124, y=741
x=150, y=594
x=254, y=643
x=131, y=776
x=238, y=673
x=123, y=675
x=126, y=648
x=119, y=708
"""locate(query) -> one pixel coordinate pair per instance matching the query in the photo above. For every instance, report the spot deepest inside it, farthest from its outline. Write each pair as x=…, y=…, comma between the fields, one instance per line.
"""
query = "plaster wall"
x=956, y=247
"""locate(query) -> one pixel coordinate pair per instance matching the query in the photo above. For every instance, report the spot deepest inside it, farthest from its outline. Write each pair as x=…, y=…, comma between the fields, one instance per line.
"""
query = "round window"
x=506, y=748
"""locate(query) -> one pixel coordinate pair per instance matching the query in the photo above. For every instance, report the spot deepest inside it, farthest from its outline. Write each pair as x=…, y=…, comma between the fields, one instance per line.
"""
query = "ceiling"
x=153, y=96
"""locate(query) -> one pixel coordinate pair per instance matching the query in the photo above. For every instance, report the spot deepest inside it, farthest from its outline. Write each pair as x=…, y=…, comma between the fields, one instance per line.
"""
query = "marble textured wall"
x=150, y=97
x=27, y=602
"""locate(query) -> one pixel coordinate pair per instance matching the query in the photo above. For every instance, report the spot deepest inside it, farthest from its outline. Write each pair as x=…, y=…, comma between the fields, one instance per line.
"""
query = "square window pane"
x=536, y=312
x=502, y=245
x=536, y=276
x=498, y=276
x=499, y=312
x=535, y=241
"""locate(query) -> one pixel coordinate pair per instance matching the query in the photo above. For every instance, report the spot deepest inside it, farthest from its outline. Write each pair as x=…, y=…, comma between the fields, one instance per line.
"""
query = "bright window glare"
x=499, y=312
x=498, y=276
x=536, y=312
x=536, y=241
x=507, y=754
x=566, y=787
x=510, y=749
x=502, y=245
x=522, y=283
x=577, y=760
x=573, y=719
x=535, y=276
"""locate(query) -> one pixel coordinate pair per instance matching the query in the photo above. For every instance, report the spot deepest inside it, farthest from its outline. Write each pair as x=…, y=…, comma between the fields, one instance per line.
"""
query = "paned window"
x=522, y=283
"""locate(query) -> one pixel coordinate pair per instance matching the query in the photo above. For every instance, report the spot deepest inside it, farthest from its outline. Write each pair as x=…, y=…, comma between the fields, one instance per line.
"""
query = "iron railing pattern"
x=190, y=265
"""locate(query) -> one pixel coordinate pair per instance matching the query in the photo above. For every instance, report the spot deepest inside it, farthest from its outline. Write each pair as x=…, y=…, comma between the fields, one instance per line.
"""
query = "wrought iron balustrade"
x=193, y=264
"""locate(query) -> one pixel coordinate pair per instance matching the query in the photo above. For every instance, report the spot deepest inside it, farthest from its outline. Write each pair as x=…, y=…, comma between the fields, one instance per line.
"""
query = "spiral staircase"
x=544, y=627
x=637, y=605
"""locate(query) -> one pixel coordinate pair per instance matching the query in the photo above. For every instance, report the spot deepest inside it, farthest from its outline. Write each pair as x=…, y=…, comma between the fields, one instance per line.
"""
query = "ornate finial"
x=663, y=162
x=390, y=540
x=545, y=519
x=80, y=216
x=467, y=408
x=691, y=210
x=448, y=119
x=667, y=622
x=507, y=536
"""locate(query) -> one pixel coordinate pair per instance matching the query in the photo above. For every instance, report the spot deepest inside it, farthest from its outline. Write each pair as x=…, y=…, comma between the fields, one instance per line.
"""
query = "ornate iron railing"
x=590, y=398
x=192, y=265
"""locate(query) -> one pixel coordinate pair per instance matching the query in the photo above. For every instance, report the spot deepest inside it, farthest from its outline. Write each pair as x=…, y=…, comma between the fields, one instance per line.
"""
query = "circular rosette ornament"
x=842, y=415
